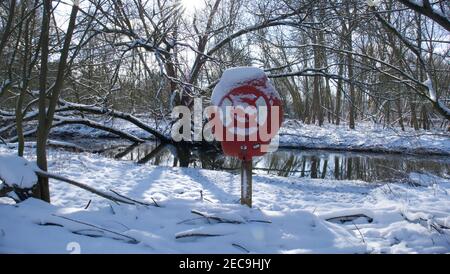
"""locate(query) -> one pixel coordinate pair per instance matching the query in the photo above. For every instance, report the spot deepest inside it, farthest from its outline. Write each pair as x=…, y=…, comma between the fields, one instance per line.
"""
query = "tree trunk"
x=352, y=86
x=46, y=115
x=316, y=100
x=339, y=94
x=412, y=106
x=400, y=114
x=24, y=85
x=42, y=190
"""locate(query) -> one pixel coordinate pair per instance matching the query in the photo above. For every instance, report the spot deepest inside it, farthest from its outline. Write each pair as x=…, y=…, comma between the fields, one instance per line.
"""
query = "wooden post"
x=246, y=182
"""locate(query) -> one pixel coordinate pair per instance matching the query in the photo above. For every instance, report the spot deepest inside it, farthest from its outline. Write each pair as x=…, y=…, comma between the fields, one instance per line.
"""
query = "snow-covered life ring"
x=250, y=112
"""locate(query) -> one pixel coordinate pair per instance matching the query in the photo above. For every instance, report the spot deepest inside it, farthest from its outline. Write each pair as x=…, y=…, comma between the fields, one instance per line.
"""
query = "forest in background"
x=337, y=62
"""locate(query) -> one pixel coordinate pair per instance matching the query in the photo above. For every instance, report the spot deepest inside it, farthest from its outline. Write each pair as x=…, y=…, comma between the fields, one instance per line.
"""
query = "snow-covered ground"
x=290, y=215
x=366, y=137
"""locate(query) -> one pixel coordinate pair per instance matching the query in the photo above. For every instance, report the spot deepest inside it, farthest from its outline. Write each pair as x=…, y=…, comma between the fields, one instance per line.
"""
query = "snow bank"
x=365, y=137
x=426, y=179
x=237, y=76
x=17, y=172
x=34, y=226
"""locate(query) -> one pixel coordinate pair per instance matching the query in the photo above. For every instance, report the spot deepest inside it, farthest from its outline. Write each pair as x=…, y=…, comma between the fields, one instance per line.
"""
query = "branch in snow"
x=216, y=218
x=100, y=193
x=349, y=218
x=135, y=201
x=128, y=238
x=187, y=235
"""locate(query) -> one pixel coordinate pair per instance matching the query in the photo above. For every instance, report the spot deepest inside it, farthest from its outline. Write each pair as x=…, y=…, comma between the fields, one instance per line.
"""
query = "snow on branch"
x=277, y=21
x=117, y=114
x=17, y=172
x=428, y=84
x=125, y=135
x=425, y=7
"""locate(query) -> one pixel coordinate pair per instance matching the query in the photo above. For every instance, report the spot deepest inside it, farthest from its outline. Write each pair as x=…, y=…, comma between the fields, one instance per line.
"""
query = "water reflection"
x=290, y=163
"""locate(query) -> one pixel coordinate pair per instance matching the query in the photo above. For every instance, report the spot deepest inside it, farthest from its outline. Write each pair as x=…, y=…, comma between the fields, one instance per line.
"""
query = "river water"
x=324, y=164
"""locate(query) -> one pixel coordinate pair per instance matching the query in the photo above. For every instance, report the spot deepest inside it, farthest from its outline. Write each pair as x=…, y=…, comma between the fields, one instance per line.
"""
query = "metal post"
x=246, y=182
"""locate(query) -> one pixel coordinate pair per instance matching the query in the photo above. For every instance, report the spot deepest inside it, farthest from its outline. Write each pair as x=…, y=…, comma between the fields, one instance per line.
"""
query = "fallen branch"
x=85, y=187
x=130, y=239
x=96, y=125
x=61, y=121
x=349, y=218
x=428, y=223
x=117, y=197
x=117, y=114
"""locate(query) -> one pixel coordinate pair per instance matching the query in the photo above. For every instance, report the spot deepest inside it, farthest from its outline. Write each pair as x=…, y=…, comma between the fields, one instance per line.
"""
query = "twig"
x=112, y=209
x=216, y=218
x=259, y=221
x=241, y=247
x=362, y=237
x=88, y=204
x=131, y=239
x=156, y=204
x=179, y=236
x=133, y=200
x=51, y=224
x=85, y=232
x=189, y=220
x=3, y=140
x=204, y=198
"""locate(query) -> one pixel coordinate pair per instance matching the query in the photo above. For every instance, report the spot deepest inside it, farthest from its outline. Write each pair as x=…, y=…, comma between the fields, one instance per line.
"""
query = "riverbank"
x=365, y=138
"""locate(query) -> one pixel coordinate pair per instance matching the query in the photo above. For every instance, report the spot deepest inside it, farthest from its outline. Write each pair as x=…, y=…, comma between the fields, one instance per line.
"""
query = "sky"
x=63, y=9
x=192, y=5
